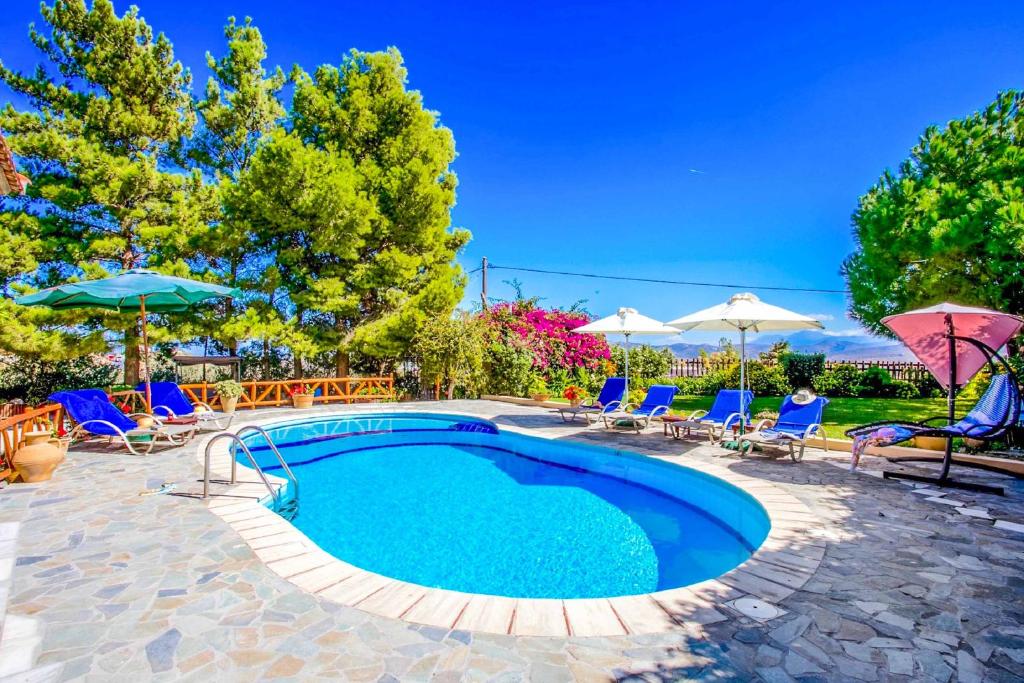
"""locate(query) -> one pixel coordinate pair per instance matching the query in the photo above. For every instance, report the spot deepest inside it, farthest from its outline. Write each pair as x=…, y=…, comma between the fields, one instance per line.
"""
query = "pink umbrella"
x=946, y=338
x=926, y=333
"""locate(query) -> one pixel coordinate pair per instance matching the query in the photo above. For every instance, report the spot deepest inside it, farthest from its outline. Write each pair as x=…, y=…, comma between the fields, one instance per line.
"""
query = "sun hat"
x=803, y=397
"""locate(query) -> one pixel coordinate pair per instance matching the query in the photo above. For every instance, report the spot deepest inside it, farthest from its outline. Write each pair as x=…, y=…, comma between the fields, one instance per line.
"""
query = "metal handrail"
x=252, y=460
x=270, y=442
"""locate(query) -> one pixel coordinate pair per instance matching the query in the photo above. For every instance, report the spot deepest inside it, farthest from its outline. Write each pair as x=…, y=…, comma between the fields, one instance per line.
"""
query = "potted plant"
x=302, y=395
x=574, y=395
x=539, y=391
x=930, y=443
x=229, y=392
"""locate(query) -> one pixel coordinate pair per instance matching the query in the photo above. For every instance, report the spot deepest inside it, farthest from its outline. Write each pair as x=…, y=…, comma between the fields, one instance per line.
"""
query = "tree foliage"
x=948, y=224
x=333, y=216
x=451, y=352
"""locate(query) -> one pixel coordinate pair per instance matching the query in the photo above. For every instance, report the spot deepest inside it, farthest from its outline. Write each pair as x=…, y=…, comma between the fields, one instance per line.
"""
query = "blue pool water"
x=452, y=502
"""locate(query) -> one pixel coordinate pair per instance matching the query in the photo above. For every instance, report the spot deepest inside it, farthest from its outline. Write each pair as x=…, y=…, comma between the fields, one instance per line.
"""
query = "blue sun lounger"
x=170, y=401
x=656, y=403
x=607, y=401
x=731, y=406
x=796, y=423
x=95, y=415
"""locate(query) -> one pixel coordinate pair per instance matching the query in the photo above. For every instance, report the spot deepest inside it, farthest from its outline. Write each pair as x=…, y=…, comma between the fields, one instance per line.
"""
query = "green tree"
x=107, y=109
x=949, y=224
x=241, y=106
x=307, y=223
x=451, y=352
x=388, y=279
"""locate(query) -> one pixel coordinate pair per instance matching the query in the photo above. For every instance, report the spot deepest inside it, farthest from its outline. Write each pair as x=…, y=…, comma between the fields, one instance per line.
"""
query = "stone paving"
x=108, y=584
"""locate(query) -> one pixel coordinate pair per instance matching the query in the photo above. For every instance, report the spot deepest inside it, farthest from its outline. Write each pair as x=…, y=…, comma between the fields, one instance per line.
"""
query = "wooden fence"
x=12, y=431
x=275, y=393
x=904, y=370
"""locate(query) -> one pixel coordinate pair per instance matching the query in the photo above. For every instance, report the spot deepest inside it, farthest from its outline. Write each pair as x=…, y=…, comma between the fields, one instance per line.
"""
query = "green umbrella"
x=135, y=290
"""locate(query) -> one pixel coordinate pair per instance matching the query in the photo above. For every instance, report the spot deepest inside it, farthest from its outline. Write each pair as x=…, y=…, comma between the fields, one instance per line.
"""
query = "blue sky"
x=689, y=141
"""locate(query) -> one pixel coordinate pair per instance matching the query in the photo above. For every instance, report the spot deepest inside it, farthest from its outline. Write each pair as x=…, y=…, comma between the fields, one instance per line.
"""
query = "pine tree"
x=377, y=292
x=241, y=105
x=108, y=108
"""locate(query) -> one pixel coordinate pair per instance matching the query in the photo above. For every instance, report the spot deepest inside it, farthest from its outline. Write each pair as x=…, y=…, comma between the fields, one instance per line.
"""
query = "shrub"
x=645, y=362
x=34, y=380
x=802, y=368
x=874, y=382
x=538, y=386
x=841, y=381
x=762, y=379
x=508, y=368
x=899, y=388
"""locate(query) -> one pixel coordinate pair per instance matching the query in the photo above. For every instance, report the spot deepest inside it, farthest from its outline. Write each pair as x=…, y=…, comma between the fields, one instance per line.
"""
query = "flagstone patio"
x=102, y=583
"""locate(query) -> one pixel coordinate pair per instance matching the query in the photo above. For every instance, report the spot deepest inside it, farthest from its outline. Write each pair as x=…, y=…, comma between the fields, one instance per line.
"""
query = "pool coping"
x=782, y=564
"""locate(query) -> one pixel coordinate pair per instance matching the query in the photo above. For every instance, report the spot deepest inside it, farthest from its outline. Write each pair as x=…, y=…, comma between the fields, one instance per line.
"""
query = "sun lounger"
x=797, y=422
x=656, y=403
x=96, y=416
x=607, y=401
x=731, y=406
x=170, y=401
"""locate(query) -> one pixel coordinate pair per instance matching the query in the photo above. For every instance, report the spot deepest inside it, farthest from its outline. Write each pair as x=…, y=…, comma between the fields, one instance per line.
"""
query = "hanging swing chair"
x=998, y=409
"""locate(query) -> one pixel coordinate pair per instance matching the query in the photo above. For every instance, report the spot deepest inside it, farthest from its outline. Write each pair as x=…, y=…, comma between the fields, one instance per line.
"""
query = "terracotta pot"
x=228, y=404
x=62, y=443
x=540, y=398
x=930, y=443
x=37, y=459
x=576, y=403
x=144, y=422
x=302, y=400
x=975, y=444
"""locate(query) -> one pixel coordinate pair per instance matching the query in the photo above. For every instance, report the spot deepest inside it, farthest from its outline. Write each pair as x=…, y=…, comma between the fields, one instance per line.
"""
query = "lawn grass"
x=841, y=413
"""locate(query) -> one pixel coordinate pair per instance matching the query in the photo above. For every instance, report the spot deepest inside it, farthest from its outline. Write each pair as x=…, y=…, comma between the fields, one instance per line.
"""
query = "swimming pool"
x=453, y=502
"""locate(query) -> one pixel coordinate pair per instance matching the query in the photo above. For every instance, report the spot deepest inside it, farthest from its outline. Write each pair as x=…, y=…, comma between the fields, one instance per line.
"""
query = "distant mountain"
x=834, y=346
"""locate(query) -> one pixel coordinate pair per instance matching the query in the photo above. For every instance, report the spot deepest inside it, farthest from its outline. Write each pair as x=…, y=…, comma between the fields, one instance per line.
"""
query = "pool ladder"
x=286, y=506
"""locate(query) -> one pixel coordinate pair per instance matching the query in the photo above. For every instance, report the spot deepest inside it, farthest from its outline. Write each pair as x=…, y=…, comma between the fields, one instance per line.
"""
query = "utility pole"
x=483, y=283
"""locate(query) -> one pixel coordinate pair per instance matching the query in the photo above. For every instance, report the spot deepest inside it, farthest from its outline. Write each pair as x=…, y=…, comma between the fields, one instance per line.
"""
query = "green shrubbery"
x=793, y=373
x=34, y=380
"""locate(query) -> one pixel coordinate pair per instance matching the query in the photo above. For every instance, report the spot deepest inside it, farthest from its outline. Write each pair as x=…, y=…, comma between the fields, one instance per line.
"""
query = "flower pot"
x=62, y=443
x=576, y=403
x=144, y=422
x=930, y=443
x=36, y=460
x=540, y=398
x=228, y=404
x=974, y=444
x=302, y=400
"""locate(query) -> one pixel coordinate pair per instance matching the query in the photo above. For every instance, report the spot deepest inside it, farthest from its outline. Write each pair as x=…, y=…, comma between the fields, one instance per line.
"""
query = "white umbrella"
x=744, y=312
x=626, y=322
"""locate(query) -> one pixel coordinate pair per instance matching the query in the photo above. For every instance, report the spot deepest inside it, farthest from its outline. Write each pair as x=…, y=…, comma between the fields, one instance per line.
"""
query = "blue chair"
x=998, y=409
x=730, y=407
x=170, y=401
x=657, y=402
x=796, y=423
x=94, y=414
x=608, y=400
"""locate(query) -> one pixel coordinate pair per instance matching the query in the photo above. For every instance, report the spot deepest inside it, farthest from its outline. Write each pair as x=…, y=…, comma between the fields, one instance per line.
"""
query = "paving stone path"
x=111, y=585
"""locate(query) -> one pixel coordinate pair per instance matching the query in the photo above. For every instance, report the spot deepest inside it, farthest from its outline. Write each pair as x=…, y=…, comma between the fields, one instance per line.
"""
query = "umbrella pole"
x=145, y=354
x=743, y=376
x=625, y=396
x=947, y=459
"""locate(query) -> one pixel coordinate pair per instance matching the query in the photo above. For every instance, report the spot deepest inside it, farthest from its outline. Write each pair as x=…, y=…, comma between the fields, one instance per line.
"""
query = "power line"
x=659, y=281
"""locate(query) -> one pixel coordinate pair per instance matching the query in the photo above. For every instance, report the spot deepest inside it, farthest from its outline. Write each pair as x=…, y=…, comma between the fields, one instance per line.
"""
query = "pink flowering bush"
x=547, y=336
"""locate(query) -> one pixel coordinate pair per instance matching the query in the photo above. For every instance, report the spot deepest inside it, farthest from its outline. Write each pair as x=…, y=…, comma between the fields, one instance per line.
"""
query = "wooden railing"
x=12, y=431
x=278, y=393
